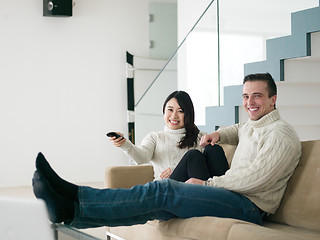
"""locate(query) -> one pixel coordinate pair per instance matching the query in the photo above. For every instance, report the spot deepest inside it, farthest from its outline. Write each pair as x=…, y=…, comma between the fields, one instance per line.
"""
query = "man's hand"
x=195, y=181
x=166, y=173
x=212, y=139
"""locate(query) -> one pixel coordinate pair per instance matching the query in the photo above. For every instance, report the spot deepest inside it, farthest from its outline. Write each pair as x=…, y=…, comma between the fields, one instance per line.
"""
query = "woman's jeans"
x=162, y=200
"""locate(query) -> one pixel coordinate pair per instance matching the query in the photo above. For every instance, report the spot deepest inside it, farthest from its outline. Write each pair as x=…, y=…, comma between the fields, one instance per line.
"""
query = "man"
x=268, y=151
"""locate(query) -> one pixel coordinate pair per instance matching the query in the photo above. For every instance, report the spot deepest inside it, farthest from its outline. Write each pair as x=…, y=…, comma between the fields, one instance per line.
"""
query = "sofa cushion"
x=296, y=231
x=141, y=232
x=247, y=231
x=300, y=204
x=198, y=227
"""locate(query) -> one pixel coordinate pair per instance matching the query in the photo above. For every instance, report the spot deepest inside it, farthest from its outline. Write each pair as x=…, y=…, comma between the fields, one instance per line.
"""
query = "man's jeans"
x=162, y=200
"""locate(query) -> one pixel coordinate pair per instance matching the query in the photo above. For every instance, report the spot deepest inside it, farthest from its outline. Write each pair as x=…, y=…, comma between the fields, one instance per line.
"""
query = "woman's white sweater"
x=268, y=151
x=159, y=148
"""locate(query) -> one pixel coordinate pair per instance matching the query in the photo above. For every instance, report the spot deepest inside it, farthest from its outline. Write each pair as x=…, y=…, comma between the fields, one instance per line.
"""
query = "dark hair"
x=192, y=131
x=266, y=77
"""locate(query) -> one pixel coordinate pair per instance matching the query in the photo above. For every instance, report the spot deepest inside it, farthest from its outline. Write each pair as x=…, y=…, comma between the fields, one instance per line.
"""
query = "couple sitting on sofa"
x=268, y=151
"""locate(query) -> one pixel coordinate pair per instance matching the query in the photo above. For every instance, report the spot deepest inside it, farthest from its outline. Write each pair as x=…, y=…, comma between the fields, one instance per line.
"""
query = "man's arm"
x=142, y=153
x=227, y=135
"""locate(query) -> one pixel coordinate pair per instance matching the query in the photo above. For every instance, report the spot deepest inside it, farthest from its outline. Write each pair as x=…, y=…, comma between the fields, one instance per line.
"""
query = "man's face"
x=255, y=99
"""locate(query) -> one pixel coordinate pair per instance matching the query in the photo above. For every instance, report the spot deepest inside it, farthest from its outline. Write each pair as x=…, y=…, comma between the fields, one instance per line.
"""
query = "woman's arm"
x=144, y=152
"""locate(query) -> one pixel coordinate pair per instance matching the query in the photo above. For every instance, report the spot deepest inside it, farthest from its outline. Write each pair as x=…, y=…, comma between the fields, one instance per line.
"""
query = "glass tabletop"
x=71, y=233
x=66, y=232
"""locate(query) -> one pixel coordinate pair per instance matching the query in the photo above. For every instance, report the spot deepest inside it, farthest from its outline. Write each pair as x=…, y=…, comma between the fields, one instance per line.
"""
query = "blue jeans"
x=162, y=200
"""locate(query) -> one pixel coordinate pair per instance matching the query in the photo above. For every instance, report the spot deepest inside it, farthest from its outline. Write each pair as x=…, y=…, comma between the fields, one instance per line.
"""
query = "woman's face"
x=173, y=115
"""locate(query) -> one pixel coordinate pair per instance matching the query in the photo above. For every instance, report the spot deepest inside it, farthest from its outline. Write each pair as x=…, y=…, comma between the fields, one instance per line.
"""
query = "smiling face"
x=173, y=115
x=256, y=100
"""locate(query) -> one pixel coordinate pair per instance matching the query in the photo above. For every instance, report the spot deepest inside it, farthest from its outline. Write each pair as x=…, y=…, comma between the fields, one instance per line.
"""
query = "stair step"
x=306, y=133
x=302, y=115
x=315, y=43
x=305, y=21
x=302, y=70
x=243, y=115
x=306, y=68
x=291, y=46
x=298, y=94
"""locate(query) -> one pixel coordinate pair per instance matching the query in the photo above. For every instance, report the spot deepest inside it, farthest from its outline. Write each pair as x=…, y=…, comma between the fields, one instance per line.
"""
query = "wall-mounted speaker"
x=57, y=8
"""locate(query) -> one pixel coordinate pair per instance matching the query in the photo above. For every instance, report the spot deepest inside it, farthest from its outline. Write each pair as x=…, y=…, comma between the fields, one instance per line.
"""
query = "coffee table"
x=77, y=234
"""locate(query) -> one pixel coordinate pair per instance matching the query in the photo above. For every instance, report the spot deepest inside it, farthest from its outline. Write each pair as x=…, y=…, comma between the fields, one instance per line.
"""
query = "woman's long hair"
x=192, y=131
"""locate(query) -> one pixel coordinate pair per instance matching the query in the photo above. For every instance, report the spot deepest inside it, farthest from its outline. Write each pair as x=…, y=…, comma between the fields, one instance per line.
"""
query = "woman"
x=179, y=140
x=165, y=149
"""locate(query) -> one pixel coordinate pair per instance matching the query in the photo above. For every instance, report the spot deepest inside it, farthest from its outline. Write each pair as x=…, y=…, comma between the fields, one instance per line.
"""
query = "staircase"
x=294, y=62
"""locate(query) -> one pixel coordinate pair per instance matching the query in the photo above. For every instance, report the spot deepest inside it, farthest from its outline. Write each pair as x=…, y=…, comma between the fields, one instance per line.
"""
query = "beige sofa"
x=298, y=216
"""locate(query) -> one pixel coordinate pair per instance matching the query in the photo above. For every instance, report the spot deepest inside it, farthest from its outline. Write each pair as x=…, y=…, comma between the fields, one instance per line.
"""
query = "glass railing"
x=216, y=38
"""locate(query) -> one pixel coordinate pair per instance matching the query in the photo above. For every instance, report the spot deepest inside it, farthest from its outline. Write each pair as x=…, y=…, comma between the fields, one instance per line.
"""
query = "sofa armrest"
x=128, y=176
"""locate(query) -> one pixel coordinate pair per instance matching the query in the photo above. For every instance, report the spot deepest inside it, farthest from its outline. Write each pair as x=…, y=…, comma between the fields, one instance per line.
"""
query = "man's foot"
x=60, y=209
x=62, y=187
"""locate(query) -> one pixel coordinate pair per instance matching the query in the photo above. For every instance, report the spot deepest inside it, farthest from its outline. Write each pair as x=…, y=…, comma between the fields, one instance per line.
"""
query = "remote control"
x=113, y=134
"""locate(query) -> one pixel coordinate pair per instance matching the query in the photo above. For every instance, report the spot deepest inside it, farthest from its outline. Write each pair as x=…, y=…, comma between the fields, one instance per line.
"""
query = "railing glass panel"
x=216, y=39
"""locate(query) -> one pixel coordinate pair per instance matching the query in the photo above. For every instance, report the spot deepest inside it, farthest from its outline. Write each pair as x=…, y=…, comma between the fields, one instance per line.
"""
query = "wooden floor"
x=26, y=192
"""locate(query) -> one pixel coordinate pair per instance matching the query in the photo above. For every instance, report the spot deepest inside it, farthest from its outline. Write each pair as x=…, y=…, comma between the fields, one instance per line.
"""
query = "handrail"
x=174, y=53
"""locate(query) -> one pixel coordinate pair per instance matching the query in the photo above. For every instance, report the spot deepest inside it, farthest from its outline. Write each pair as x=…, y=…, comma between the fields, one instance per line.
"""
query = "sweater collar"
x=265, y=120
x=178, y=131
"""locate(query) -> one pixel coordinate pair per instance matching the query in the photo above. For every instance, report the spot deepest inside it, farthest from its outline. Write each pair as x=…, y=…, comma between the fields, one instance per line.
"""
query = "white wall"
x=63, y=85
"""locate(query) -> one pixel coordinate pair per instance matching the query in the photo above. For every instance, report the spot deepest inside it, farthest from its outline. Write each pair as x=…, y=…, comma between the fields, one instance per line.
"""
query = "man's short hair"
x=266, y=77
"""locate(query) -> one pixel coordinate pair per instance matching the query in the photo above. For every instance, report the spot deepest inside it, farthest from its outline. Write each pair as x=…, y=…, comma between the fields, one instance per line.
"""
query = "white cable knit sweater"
x=268, y=151
x=159, y=148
